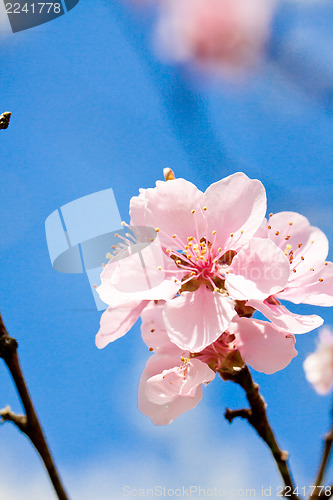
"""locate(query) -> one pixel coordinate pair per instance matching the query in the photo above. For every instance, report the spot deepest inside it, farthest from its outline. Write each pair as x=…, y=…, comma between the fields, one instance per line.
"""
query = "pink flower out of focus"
x=220, y=34
x=318, y=366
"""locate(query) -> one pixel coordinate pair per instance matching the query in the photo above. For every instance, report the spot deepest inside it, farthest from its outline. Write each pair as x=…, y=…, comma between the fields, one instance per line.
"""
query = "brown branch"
x=257, y=418
x=243, y=413
x=29, y=423
x=328, y=442
x=4, y=120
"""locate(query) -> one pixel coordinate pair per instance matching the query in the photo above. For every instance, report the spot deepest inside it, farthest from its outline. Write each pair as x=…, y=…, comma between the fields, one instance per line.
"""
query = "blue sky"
x=93, y=108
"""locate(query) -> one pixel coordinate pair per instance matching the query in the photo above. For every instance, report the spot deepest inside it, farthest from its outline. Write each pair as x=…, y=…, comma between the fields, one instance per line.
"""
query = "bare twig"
x=4, y=119
x=257, y=417
x=328, y=442
x=19, y=420
x=29, y=423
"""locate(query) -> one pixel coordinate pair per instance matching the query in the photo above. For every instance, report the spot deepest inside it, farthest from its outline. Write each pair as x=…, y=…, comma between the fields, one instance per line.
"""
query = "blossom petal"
x=111, y=296
x=284, y=319
x=153, y=329
x=196, y=319
x=115, y=323
x=235, y=205
x=139, y=267
x=138, y=276
x=264, y=347
x=138, y=208
x=308, y=244
x=169, y=207
x=164, y=414
x=259, y=270
x=315, y=288
x=178, y=381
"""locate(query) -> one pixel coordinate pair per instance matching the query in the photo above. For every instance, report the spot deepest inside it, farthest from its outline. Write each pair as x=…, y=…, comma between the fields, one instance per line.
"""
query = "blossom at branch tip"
x=196, y=266
x=221, y=35
x=318, y=366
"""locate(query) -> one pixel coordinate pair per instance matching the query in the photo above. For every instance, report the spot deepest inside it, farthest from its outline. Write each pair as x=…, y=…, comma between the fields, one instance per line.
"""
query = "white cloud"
x=197, y=455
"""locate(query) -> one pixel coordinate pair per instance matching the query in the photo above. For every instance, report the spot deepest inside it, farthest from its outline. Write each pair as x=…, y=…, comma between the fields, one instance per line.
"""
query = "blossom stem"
x=257, y=417
x=28, y=423
x=4, y=120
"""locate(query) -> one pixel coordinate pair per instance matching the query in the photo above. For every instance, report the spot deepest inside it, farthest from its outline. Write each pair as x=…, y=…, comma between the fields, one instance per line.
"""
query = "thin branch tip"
x=4, y=119
x=20, y=421
x=230, y=415
x=256, y=416
x=28, y=423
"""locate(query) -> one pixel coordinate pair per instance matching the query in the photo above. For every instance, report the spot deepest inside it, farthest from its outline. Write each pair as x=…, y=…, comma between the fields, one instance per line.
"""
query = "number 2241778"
x=33, y=8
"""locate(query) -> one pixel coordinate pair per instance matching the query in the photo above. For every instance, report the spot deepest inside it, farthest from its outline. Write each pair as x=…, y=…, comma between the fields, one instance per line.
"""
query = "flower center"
x=218, y=354
x=200, y=258
x=205, y=265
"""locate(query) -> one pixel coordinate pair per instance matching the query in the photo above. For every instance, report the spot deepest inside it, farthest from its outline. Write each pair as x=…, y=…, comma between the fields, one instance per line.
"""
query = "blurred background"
x=94, y=105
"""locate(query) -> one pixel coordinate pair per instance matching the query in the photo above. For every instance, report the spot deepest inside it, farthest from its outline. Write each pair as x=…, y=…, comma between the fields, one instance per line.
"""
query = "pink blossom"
x=172, y=380
x=310, y=275
x=209, y=257
x=318, y=366
x=227, y=35
x=170, y=385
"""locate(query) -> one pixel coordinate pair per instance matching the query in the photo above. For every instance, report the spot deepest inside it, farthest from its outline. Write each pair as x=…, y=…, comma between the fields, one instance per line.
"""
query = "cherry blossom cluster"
x=211, y=261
